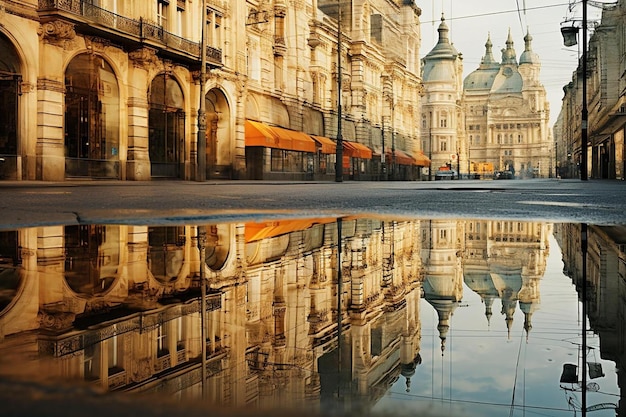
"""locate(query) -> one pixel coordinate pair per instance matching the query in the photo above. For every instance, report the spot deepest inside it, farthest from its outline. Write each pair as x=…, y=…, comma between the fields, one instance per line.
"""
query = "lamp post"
x=430, y=146
x=202, y=240
x=201, y=147
x=569, y=39
x=584, y=112
x=339, y=149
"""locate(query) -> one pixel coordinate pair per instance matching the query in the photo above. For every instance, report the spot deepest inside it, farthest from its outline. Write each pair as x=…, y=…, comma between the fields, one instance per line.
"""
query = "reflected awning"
x=265, y=230
x=356, y=150
x=326, y=145
x=260, y=134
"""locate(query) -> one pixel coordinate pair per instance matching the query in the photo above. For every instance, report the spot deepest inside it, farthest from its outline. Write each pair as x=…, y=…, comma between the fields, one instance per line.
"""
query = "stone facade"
x=110, y=89
x=606, y=104
x=507, y=115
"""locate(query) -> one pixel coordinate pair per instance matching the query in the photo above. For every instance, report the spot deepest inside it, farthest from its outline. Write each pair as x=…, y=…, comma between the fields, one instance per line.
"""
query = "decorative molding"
x=57, y=32
x=50, y=85
x=143, y=57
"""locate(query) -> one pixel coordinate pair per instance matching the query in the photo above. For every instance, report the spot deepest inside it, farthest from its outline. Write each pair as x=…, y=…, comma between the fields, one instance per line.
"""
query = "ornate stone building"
x=442, y=118
x=507, y=115
x=606, y=103
x=112, y=89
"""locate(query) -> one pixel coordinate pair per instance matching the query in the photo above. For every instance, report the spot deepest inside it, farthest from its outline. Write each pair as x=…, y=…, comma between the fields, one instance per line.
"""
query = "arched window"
x=91, y=118
x=166, y=127
x=9, y=91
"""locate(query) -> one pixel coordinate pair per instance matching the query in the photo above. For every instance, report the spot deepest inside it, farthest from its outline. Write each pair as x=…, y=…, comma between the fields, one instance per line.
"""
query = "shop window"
x=91, y=117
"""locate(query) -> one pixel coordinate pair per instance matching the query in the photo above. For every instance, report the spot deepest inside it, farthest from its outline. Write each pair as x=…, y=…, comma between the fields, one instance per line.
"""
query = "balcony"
x=130, y=33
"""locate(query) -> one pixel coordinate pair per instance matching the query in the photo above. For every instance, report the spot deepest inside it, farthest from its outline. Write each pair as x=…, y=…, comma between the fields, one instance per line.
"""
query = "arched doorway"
x=10, y=80
x=167, y=127
x=166, y=252
x=219, y=146
x=92, y=258
x=91, y=118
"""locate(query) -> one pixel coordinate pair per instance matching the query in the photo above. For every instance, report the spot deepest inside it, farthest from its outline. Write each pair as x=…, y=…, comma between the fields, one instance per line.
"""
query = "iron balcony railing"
x=132, y=28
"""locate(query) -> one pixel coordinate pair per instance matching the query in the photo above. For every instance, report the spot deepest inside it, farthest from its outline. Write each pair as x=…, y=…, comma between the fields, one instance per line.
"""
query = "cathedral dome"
x=483, y=77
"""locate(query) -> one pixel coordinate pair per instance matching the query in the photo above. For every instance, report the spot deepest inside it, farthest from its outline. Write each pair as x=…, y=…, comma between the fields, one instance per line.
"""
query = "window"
x=161, y=340
x=443, y=120
x=214, y=28
x=178, y=30
x=443, y=145
x=162, y=10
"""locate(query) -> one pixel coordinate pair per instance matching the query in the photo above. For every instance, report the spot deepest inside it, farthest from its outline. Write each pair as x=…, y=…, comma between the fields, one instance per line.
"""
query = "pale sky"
x=471, y=21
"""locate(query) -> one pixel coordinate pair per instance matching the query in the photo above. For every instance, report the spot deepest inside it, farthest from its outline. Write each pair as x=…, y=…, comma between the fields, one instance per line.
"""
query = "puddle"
x=331, y=316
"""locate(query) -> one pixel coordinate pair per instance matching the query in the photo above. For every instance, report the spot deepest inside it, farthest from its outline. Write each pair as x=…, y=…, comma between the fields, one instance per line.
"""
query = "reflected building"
x=118, y=307
x=506, y=260
x=605, y=277
x=320, y=313
x=442, y=246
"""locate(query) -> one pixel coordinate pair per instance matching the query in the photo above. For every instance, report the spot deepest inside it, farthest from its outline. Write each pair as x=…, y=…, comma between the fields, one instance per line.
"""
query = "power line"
x=502, y=12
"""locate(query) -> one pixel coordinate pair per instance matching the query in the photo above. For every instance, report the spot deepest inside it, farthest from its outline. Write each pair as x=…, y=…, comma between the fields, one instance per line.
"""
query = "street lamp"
x=339, y=149
x=201, y=146
x=569, y=34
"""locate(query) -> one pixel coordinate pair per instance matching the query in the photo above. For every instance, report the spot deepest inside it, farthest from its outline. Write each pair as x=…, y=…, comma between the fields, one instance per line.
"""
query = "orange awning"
x=294, y=140
x=356, y=150
x=326, y=145
x=421, y=160
x=264, y=230
x=401, y=158
x=260, y=134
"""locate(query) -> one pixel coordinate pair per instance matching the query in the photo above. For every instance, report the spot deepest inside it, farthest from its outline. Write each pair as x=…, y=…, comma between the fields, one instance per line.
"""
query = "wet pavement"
x=27, y=203
x=457, y=298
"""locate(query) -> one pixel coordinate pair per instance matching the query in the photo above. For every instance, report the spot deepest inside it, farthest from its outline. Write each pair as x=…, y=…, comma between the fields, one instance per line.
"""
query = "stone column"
x=138, y=160
x=54, y=37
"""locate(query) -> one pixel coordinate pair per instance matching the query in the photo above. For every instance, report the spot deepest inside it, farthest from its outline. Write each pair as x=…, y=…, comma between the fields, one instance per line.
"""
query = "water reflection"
x=352, y=314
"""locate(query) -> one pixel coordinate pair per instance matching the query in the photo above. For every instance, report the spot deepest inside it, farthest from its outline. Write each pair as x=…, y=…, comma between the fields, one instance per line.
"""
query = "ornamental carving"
x=57, y=32
x=55, y=321
x=143, y=57
x=96, y=44
x=141, y=369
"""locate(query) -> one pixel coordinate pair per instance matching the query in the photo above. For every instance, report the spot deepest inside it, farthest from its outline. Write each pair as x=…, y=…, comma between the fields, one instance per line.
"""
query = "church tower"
x=442, y=117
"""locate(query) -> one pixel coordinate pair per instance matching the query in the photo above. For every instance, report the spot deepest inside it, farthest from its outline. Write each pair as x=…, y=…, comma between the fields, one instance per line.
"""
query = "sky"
x=471, y=21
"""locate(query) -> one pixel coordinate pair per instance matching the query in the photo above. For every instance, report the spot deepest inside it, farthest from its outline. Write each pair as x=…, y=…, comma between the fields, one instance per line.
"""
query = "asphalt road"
x=33, y=203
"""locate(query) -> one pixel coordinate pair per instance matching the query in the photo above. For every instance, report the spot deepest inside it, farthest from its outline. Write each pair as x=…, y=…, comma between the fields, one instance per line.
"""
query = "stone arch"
x=166, y=252
x=10, y=92
x=252, y=108
x=92, y=258
x=219, y=136
x=166, y=126
x=218, y=248
x=11, y=280
x=92, y=121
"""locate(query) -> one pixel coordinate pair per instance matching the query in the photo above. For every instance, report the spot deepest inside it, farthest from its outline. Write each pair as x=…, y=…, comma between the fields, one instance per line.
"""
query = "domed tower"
x=442, y=72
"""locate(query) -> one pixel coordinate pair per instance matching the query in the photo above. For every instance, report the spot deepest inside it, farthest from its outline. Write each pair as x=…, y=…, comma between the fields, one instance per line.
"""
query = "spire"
x=527, y=40
x=488, y=60
x=528, y=56
x=508, y=54
x=443, y=31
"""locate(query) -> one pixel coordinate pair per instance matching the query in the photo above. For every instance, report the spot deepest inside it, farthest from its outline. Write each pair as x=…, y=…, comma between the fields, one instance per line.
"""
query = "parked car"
x=504, y=175
x=446, y=175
